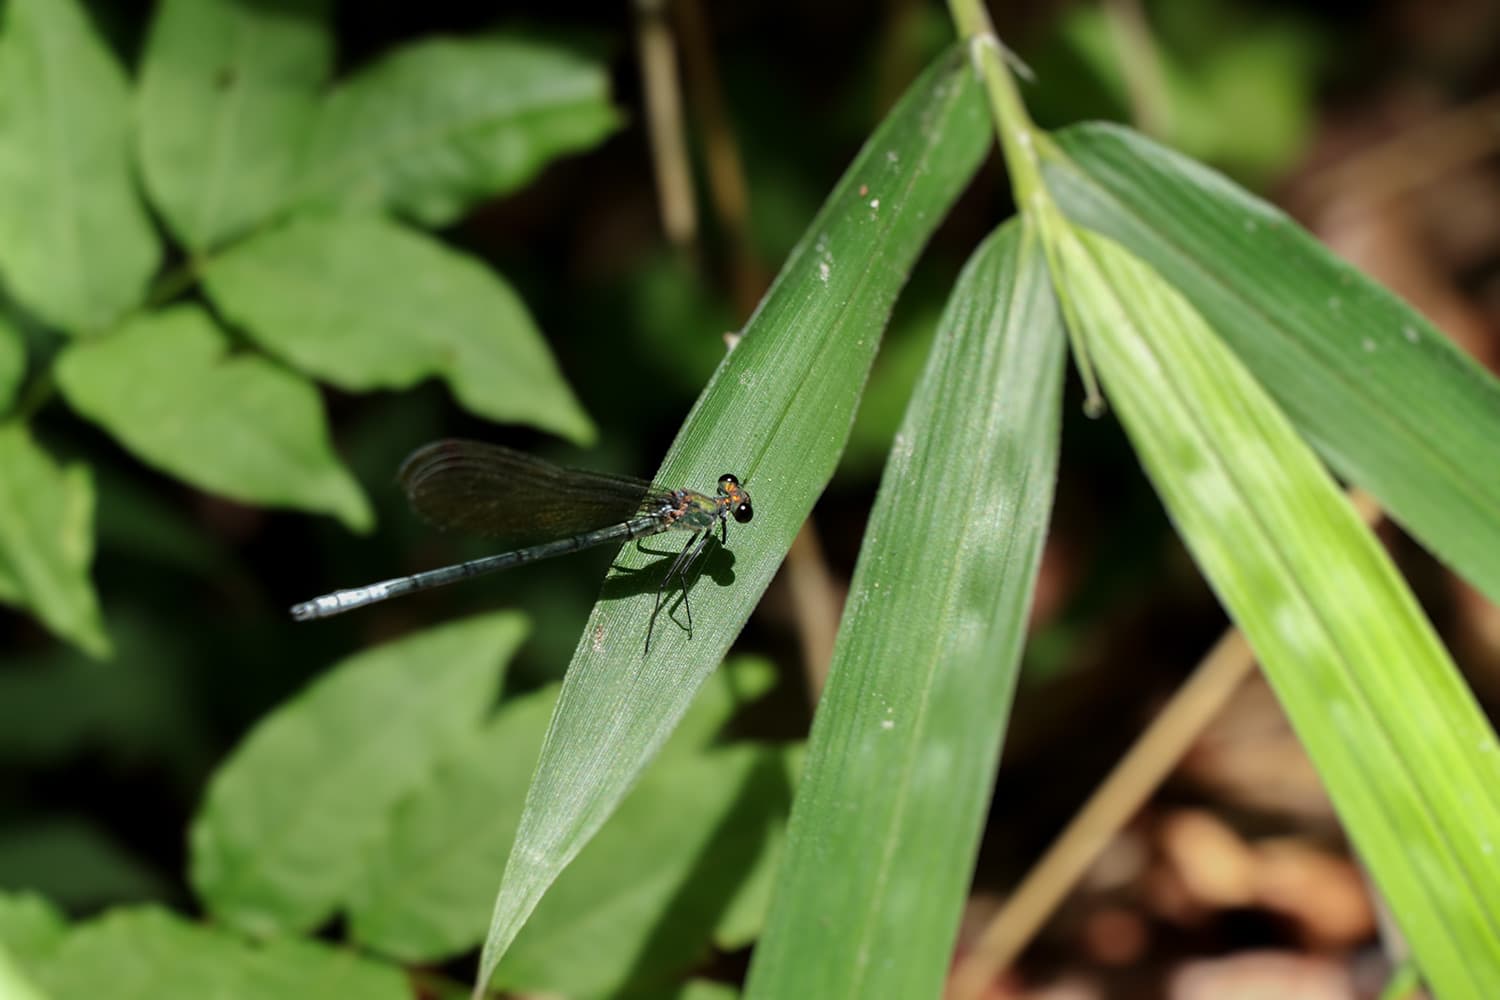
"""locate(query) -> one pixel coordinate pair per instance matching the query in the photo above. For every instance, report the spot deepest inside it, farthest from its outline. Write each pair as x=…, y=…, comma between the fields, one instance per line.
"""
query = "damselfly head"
x=729, y=487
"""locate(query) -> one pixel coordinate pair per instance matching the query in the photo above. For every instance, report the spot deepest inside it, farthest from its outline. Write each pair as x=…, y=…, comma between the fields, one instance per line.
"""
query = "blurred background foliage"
x=1322, y=107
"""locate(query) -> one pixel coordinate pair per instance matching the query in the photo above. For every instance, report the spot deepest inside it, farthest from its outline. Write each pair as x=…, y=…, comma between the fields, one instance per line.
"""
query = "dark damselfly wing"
x=494, y=492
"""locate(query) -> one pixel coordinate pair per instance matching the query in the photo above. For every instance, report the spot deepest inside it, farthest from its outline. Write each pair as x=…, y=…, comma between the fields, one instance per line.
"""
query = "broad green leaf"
x=702, y=989
x=150, y=954
x=278, y=841
x=1387, y=400
x=776, y=413
x=14, y=982
x=438, y=126
x=1405, y=753
x=426, y=888
x=429, y=884
x=169, y=388
x=366, y=304
x=12, y=362
x=228, y=94
x=76, y=245
x=642, y=899
x=901, y=761
x=47, y=540
x=30, y=928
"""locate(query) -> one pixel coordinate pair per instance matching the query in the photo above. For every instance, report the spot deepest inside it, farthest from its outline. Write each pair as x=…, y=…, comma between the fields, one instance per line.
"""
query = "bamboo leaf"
x=777, y=414
x=901, y=761
x=275, y=854
x=1407, y=756
x=1388, y=401
x=440, y=125
x=228, y=94
x=47, y=540
x=256, y=432
x=364, y=303
x=76, y=245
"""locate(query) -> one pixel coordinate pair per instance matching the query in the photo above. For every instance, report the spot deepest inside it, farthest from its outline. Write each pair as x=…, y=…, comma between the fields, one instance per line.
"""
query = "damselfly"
x=540, y=510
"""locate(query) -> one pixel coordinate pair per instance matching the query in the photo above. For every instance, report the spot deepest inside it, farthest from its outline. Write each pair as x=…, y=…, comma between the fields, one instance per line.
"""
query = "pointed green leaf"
x=428, y=885
x=881, y=846
x=367, y=304
x=47, y=540
x=76, y=245
x=228, y=95
x=1407, y=756
x=279, y=839
x=12, y=362
x=167, y=386
x=31, y=927
x=642, y=899
x=150, y=954
x=441, y=125
x=1388, y=400
x=15, y=984
x=777, y=414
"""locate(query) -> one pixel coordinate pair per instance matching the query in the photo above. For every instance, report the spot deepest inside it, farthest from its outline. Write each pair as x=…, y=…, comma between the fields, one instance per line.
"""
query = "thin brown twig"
x=664, y=125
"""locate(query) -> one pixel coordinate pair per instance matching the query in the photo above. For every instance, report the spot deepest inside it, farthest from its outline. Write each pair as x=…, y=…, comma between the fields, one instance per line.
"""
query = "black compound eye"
x=728, y=480
x=743, y=513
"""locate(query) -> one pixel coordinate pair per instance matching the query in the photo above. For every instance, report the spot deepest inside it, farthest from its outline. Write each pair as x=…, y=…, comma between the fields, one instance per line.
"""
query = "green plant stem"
x=1020, y=142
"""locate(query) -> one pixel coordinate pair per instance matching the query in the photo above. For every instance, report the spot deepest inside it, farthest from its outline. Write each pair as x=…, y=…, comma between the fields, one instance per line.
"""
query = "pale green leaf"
x=76, y=245
x=15, y=984
x=442, y=124
x=777, y=414
x=12, y=362
x=1405, y=753
x=364, y=303
x=150, y=954
x=428, y=885
x=1387, y=400
x=904, y=746
x=702, y=989
x=642, y=899
x=31, y=927
x=279, y=839
x=169, y=388
x=47, y=540
x=228, y=94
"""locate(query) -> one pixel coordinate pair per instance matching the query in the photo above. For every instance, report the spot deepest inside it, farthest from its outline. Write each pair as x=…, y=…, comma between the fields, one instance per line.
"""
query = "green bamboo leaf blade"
x=228, y=95
x=428, y=886
x=777, y=414
x=76, y=245
x=149, y=952
x=47, y=540
x=366, y=304
x=271, y=855
x=903, y=751
x=12, y=362
x=1408, y=758
x=1340, y=354
x=443, y=124
x=257, y=433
